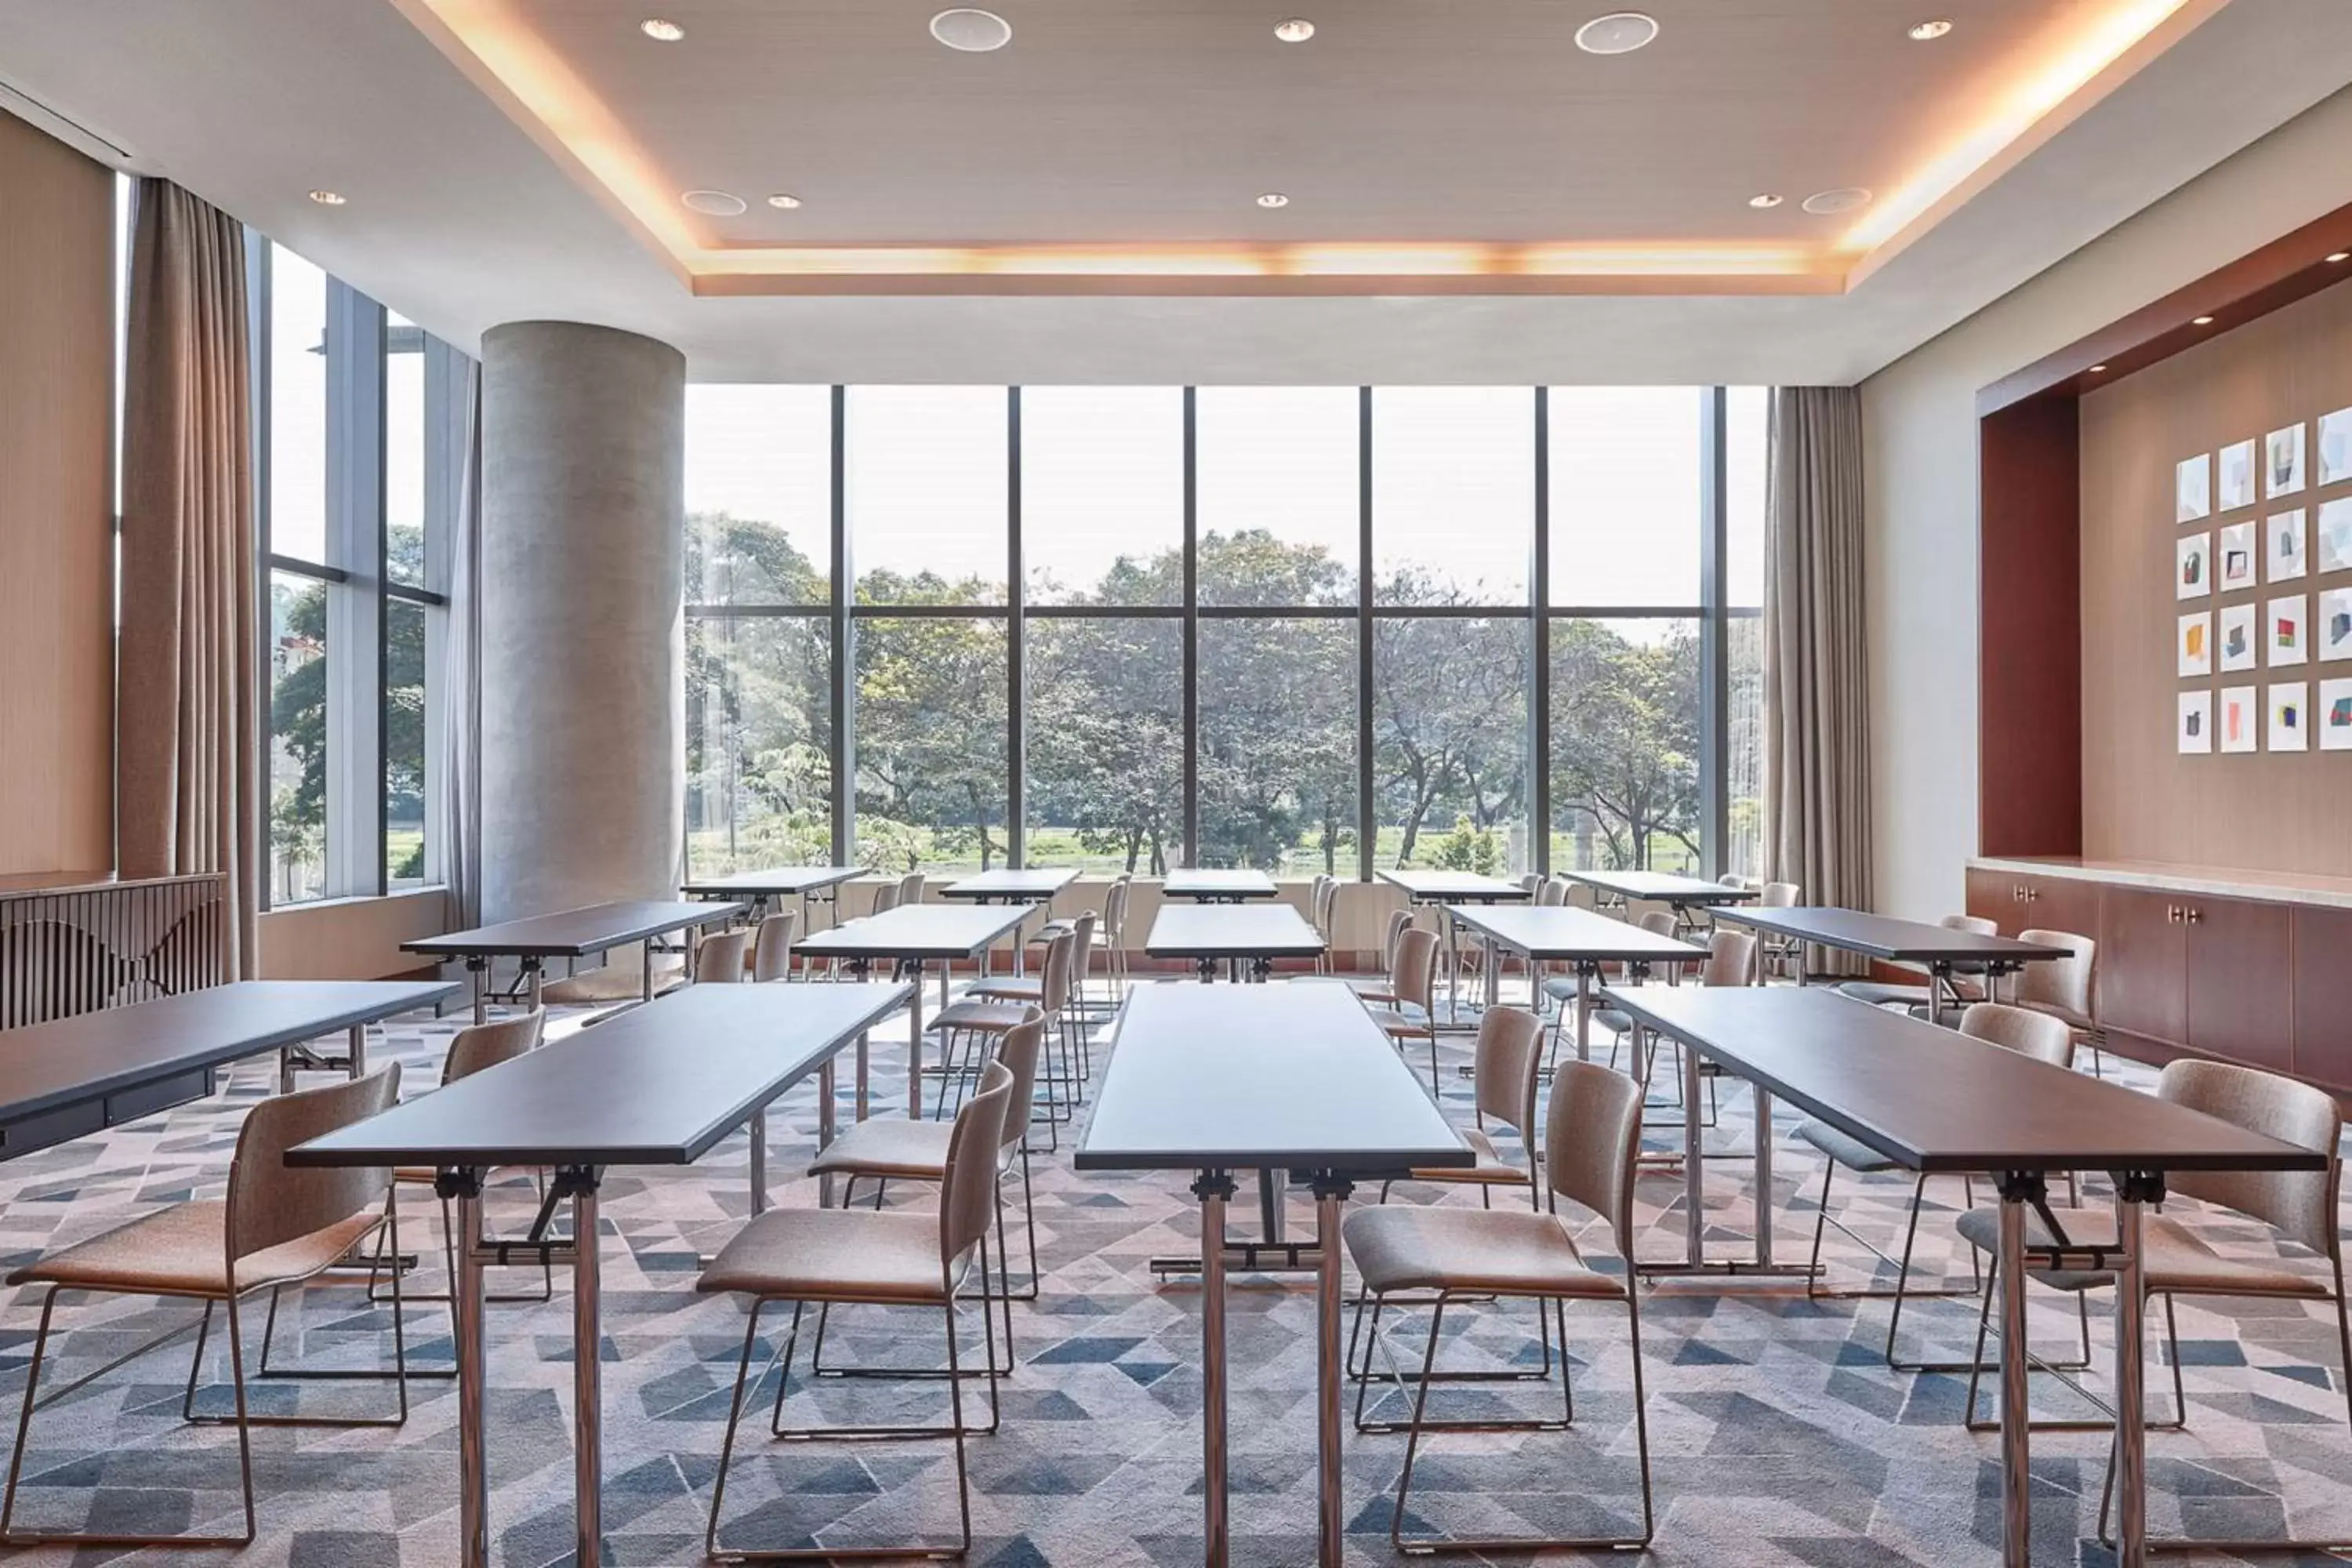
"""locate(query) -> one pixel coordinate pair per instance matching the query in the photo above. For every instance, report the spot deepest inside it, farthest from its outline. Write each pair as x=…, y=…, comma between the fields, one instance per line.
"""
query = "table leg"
x=824, y=1117
x=646, y=988
x=532, y=970
x=2016, y=1472
x=1332, y=1524
x=1214, y=1189
x=2131, y=1390
x=473, y=1432
x=358, y=1051
x=1452, y=967
x=1763, y=1176
x=914, y=1047
x=1269, y=1204
x=1494, y=974
x=475, y=966
x=587, y=1374
x=760, y=1160
x=865, y=1056
x=1694, y=1163
x=1584, y=1017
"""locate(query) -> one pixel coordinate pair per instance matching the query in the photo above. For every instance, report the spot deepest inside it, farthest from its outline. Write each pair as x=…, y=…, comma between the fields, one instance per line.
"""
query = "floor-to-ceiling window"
x=1301, y=628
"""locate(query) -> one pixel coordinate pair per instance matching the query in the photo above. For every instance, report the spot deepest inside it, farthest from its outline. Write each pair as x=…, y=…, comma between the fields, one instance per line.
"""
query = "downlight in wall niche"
x=973, y=31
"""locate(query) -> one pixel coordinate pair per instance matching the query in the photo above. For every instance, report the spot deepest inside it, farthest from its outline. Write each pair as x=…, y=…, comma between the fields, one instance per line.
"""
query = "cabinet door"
x=2142, y=961
x=2059, y=903
x=2323, y=996
x=1992, y=896
x=2241, y=981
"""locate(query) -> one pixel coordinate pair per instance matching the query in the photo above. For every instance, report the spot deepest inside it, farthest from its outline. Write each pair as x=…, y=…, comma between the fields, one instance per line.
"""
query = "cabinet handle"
x=2032, y=894
x=2192, y=916
x=2172, y=914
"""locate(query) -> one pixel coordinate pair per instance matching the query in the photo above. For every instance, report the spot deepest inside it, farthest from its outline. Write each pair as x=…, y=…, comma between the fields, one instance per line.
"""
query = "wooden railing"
x=64, y=951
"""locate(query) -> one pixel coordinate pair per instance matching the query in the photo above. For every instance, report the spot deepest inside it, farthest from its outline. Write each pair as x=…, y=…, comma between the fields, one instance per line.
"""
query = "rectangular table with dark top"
x=73, y=1076
x=1936, y=1101
x=1580, y=938
x=907, y=940
x=1236, y=935
x=1444, y=889
x=1217, y=885
x=1036, y=885
x=571, y=933
x=1274, y=1079
x=1662, y=888
x=811, y=884
x=1938, y=950
x=658, y=1084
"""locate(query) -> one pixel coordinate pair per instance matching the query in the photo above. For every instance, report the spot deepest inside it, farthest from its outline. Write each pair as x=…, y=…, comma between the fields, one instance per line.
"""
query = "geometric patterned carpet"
x=1779, y=1436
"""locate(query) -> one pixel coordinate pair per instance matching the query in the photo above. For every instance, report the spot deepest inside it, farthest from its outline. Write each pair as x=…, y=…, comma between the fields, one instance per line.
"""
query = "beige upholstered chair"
x=723, y=958
x=1920, y=999
x=1778, y=954
x=886, y=898
x=276, y=1227
x=2043, y=1038
x=991, y=1008
x=1657, y=923
x=1113, y=931
x=1582, y=896
x=2065, y=988
x=858, y=1257
x=910, y=890
x=772, y=950
x=1098, y=930
x=1316, y=890
x=1402, y=1010
x=1449, y=1255
x=894, y=1148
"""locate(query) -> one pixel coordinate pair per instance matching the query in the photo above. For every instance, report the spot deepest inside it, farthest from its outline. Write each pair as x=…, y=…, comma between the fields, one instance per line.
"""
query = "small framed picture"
x=2236, y=565
x=2335, y=715
x=2282, y=461
x=2196, y=732
x=2335, y=447
x=2334, y=527
x=2290, y=639
x=2289, y=718
x=2238, y=718
x=2335, y=623
x=2239, y=637
x=2196, y=644
x=2192, y=576
x=2282, y=542
x=2236, y=480
x=2192, y=487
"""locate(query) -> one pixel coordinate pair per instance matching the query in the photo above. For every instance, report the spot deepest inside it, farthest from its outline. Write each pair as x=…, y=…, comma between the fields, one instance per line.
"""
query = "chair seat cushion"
x=1852, y=1153
x=1407, y=1021
x=1560, y=988
x=988, y=1018
x=2177, y=1262
x=1499, y=1252
x=832, y=1255
x=888, y=1146
x=1492, y=1169
x=1615, y=1022
x=1009, y=988
x=182, y=1250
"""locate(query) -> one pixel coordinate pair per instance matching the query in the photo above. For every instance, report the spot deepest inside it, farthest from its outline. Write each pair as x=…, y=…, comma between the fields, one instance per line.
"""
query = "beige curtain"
x=187, y=729
x=1816, y=673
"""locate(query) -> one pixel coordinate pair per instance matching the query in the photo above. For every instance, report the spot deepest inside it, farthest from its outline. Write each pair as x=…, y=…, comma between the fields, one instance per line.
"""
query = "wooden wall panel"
x=57, y=413
x=351, y=938
x=2142, y=800
x=2029, y=702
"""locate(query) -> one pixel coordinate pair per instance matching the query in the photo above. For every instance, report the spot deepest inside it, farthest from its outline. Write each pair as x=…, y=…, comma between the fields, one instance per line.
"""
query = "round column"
x=583, y=658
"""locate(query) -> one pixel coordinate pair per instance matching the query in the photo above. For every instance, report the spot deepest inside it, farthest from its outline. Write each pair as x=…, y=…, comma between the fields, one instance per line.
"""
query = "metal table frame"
x=1202, y=892
x=1942, y=967
x=1244, y=957
x=1044, y=884
x=1443, y=901
x=478, y=947
x=759, y=887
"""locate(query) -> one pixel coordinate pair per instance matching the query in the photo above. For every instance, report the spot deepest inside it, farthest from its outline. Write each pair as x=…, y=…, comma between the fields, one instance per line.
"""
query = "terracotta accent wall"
x=2141, y=799
x=57, y=547
x=351, y=938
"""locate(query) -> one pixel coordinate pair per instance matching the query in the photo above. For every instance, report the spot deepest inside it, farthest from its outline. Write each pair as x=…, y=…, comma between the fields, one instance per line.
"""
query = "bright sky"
x=298, y=407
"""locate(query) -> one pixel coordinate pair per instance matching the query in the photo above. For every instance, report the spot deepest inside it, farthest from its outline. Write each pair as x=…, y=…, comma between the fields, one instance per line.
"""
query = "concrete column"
x=582, y=656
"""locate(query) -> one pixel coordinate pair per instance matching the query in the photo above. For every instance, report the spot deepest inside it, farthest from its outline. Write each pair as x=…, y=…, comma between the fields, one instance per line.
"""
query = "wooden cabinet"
x=2143, y=965
x=2323, y=996
x=2241, y=980
x=2025, y=902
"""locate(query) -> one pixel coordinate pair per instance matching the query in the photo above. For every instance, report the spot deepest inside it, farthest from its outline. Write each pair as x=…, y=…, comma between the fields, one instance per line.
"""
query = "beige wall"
x=1919, y=432
x=349, y=938
x=57, y=548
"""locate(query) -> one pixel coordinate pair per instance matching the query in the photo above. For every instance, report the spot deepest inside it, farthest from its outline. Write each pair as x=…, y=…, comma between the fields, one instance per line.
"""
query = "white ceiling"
x=458, y=219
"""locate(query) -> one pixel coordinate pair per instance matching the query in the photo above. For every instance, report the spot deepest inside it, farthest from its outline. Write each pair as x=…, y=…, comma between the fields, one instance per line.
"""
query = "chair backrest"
x=1503, y=1077
x=1413, y=976
x=1974, y=925
x=968, y=1184
x=1530, y=881
x=1400, y=921
x=910, y=888
x=1637, y=908
x=1082, y=954
x=1778, y=896
x=1590, y=1138
x=2300, y=1203
x=772, y=954
x=1017, y=1050
x=1054, y=984
x=2062, y=985
x=1551, y=894
x=1659, y=922
x=886, y=898
x=1732, y=879
x=1328, y=912
x=271, y=1202
x=487, y=1044
x=719, y=958
x=2028, y=1033
x=1114, y=910
x=1580, y=895
x=1730, y=959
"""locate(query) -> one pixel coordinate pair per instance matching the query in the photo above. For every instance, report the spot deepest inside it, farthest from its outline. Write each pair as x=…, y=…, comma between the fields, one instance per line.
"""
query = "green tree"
x=1625, y=737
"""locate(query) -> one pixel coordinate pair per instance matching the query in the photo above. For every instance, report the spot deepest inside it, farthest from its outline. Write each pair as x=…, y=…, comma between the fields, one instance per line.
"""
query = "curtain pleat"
x=461, y=674
x=1816, y=669
x=187, y=711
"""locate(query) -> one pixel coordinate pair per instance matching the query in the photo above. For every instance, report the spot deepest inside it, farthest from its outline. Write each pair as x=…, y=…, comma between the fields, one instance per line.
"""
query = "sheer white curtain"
x=461, y=674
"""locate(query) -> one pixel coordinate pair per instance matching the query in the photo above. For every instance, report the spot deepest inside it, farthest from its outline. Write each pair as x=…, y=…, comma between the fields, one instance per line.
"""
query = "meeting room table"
x=1940, y=951
x=1685, y=893
x=1217, y=884
x=1277, y=1078
x=1038, y=884
x=1939, y=1103
x=1246, y=939
x=812, y=885
x=658, y=1084
x=908, y=939
x=571, y=933
x=1443, y=890
x=1581, y=939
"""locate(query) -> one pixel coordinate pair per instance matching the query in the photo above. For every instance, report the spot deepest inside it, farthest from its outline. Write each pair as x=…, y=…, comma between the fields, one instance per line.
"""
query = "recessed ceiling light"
x=2340, y=255
x=326, y=198
x=1843, y=200
x=973, y=31
x=784, y=200
x=1618, y=33
x=1297, y=30
x=661, y=31
x=1767, y=200
x=2202, y=322
x=1274, y=199
x=716, y=204
x=2098, y=370
x=1934, y=29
